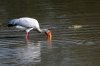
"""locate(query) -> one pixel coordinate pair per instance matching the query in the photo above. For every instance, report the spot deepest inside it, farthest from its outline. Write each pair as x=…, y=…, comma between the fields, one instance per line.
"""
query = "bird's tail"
x=10, y=25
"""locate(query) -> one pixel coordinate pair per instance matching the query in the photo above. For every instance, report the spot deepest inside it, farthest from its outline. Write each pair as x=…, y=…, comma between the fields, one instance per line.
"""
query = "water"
x=76, y=29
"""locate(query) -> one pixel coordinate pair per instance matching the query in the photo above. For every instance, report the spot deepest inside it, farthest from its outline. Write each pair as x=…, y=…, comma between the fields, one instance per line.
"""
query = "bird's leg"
x=27, y=36
x=27, y=32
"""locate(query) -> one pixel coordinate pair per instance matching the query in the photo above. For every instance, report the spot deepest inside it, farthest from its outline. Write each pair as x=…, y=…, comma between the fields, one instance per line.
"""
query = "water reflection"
x=17, y=53
x=31, y=54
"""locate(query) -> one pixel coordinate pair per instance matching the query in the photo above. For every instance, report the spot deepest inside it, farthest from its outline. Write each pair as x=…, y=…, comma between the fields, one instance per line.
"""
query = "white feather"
x=25, y=22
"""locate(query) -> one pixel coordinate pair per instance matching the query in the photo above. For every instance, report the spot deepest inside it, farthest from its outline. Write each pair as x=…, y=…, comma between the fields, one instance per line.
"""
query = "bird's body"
x=27, y=24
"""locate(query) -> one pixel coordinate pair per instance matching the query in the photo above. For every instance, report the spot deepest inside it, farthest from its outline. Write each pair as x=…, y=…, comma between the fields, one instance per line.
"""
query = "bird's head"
x=48, y=34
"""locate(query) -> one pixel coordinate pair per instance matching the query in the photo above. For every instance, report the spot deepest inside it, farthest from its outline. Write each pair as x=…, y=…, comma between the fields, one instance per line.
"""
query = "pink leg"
x=27, y=36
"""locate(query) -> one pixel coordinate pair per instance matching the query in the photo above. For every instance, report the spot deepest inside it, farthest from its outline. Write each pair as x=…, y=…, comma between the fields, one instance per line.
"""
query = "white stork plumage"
x=27, y=24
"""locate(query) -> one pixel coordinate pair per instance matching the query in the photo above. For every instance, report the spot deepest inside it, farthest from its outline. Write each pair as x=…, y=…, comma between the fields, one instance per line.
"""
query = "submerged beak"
x=49, y=35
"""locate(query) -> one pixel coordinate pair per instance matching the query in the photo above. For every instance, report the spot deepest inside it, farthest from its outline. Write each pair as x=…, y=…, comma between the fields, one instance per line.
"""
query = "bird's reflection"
x=29, y=53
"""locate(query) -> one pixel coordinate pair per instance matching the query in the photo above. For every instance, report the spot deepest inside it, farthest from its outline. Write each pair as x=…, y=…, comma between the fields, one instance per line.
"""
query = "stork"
x=28, y=24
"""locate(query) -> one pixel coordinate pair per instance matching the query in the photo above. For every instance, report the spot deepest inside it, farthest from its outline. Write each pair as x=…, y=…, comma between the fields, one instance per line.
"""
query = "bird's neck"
x=41, y=30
